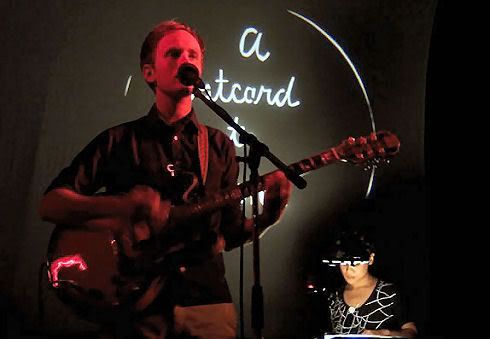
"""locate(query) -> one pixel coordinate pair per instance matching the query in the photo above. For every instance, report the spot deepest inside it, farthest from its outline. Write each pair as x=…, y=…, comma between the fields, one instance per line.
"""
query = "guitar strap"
x=203, y=149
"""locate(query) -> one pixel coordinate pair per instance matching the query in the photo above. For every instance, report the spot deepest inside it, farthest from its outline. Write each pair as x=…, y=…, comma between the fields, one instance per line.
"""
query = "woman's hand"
x=377, y=332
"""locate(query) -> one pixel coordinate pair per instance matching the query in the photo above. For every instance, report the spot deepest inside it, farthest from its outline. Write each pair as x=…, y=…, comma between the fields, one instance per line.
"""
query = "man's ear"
x=148, y=73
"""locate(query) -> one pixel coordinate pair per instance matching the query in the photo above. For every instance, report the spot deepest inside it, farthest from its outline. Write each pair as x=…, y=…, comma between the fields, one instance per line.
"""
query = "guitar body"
x=85, y=268
x=94, y=272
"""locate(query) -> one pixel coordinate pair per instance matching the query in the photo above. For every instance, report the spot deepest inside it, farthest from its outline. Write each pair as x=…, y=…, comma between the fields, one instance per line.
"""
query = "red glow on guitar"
x=64, y=262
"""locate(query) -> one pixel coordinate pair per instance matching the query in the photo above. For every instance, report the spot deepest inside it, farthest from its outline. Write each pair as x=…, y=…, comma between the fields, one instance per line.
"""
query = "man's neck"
x=171, y=109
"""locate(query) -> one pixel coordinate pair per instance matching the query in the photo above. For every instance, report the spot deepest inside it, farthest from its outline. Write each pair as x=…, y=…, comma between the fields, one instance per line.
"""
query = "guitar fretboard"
x=243, y=190
x=376, y=146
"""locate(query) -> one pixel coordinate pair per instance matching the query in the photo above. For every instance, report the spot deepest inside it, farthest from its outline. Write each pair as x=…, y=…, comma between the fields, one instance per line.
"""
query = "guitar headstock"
x=369, y=150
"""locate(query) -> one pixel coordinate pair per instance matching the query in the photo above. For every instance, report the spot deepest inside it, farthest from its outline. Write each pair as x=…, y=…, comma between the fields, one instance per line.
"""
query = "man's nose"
x=184, y=58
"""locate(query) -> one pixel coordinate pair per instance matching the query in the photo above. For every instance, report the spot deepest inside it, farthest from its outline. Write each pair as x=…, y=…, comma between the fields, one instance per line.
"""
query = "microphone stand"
x=257, y=150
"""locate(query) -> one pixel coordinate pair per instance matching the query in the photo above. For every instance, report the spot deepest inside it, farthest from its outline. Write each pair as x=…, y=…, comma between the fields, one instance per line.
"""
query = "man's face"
x=173, y=50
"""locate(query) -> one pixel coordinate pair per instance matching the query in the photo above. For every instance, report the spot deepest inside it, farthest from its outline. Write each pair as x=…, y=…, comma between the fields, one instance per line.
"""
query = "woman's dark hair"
x=352, y=245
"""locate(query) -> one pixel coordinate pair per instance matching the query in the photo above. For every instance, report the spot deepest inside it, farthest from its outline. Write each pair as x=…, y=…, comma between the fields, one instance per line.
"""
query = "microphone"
x=188, y=75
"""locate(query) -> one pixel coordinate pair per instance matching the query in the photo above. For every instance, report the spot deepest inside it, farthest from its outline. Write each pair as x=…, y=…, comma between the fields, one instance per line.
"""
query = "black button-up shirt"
x=147, y=151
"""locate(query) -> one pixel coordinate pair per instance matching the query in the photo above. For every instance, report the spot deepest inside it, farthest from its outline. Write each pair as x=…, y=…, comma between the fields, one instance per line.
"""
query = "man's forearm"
x=63, y=206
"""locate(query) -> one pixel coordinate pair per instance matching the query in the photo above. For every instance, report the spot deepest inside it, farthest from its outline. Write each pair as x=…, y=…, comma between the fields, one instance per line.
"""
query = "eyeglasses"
x=334, y=263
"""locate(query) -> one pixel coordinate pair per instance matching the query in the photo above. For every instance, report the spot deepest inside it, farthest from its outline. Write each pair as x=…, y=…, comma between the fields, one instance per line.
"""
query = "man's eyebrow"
x=172, y=49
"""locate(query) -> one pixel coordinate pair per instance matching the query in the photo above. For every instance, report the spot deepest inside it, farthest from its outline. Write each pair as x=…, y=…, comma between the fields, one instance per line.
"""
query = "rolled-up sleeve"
x=86, y=172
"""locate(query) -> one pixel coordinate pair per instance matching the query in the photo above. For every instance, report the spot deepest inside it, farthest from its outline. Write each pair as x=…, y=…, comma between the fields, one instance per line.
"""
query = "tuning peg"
x=351, y=140
x=373, y=137
x=361, y=140
x=369, y=151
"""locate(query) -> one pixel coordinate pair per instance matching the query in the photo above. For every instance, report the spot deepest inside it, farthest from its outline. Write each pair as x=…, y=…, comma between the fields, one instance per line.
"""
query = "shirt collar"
x=189, y=123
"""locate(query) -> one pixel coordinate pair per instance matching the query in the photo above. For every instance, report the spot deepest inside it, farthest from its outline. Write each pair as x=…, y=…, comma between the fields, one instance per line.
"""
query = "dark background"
x=64, y=68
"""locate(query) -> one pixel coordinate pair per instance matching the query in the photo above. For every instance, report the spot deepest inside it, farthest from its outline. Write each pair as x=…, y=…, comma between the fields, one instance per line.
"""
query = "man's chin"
x=183, y=92
x=178, y=93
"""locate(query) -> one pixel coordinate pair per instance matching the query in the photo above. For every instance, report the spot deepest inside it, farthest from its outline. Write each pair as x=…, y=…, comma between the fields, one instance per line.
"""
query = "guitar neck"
x=221, y=199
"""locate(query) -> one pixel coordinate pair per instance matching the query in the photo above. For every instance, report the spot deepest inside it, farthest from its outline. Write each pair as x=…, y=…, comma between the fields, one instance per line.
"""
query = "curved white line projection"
x=356, y=74
x=371, y=182
x=127, y=85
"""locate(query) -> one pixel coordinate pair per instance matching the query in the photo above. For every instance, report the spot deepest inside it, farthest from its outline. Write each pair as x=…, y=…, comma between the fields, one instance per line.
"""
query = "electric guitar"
x=91, y=270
